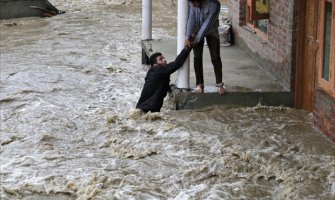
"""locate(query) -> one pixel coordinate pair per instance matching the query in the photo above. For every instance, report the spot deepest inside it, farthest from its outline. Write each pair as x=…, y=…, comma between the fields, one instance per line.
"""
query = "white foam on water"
x=70, y=130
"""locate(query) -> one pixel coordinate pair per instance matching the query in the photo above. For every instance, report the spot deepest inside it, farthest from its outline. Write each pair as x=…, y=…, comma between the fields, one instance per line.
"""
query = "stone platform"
x=247, y=84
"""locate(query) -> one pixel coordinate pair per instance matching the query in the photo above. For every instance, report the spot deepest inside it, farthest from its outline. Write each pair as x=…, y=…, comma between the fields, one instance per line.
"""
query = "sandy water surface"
x=69, y=131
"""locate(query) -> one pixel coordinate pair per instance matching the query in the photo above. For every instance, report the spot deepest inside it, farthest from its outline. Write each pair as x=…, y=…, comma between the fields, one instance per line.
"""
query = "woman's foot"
x=221, y=88
x=199, y=88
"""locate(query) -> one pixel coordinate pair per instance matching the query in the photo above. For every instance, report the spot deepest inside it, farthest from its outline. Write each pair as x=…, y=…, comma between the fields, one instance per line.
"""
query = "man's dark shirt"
x=157, y=83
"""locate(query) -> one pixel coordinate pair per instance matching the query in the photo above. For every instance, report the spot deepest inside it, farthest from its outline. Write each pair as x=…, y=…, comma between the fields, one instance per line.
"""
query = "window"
x=258, y=16
x=326, y=72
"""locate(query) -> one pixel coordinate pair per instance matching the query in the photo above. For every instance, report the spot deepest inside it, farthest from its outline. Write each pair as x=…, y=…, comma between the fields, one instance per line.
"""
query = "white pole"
x=146, y=19
x=183, y=78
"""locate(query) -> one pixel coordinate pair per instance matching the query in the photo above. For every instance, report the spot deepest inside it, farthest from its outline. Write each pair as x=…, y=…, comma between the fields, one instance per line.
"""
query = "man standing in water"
x=157, y=80
x=203, y=22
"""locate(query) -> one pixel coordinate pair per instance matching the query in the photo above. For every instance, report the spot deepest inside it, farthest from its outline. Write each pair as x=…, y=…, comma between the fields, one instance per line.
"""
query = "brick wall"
x=324, y=114
x=276, y=54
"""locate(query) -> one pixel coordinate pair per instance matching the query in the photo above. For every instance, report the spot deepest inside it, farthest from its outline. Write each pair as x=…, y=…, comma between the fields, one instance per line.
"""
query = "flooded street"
x=69, y=130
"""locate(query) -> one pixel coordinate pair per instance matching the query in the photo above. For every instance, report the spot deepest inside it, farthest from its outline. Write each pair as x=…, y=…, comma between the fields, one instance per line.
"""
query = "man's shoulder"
x=156, y=68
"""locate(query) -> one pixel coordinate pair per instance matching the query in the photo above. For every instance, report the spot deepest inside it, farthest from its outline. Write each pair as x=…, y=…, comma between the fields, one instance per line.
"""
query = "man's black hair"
x=153, y=57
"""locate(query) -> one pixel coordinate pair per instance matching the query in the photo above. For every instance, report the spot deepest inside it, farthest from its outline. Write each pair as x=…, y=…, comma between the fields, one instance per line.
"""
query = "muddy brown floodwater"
x=69, y=85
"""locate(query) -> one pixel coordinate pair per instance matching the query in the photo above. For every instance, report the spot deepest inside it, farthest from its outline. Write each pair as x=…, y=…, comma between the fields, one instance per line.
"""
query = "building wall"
x=278, y=54
x=324, y=114
x=275, y=55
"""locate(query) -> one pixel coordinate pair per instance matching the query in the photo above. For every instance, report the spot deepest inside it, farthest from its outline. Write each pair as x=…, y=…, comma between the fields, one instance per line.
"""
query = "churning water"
x=69, y=131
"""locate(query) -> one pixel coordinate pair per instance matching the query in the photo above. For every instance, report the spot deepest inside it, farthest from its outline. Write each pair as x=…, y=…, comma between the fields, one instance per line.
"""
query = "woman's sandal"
x=199, y=88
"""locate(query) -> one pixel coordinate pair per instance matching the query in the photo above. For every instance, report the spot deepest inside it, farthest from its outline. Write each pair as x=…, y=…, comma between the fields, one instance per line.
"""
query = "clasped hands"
x=190, y=42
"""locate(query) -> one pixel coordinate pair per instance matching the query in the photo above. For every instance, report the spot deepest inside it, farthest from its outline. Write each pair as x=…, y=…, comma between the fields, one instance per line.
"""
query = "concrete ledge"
x=192, y=100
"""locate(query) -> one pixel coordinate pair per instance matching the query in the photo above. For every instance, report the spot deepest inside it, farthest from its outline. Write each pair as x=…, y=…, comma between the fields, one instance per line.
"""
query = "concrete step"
x=191, y=100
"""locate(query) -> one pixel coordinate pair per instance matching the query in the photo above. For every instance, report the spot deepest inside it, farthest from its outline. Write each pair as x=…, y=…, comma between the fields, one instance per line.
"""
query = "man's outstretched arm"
x=177, y=63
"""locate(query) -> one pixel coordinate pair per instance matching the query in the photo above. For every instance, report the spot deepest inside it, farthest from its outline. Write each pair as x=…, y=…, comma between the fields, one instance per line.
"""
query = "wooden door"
x=307, y=53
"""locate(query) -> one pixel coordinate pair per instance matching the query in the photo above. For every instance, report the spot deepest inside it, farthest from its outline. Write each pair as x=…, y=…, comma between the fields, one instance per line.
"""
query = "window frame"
x=327, y=86
x=253, y=17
